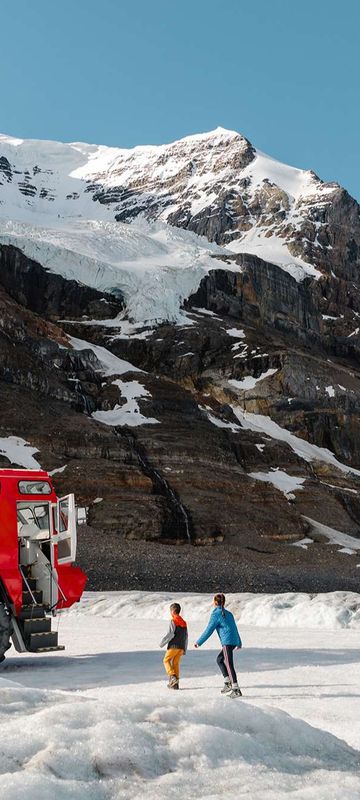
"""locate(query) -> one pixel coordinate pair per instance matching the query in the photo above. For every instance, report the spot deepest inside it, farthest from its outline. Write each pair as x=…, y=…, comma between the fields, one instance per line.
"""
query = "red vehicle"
x=37, y=553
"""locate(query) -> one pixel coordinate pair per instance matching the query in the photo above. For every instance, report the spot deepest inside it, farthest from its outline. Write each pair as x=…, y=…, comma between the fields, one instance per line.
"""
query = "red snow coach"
x=37, y=551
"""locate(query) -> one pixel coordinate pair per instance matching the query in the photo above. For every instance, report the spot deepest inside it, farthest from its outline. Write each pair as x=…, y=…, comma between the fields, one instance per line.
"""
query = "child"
x=177, y=640
x=223, y=622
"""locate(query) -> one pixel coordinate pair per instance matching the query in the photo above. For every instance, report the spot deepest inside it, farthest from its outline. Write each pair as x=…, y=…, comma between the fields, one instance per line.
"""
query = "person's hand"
x=239, y=647
x=196, y=645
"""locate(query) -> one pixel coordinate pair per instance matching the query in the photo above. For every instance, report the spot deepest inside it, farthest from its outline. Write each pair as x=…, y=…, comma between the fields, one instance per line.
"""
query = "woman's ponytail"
x=219, y=601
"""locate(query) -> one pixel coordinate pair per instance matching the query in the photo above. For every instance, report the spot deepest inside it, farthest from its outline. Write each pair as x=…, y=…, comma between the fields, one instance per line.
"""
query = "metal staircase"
x=34, y=621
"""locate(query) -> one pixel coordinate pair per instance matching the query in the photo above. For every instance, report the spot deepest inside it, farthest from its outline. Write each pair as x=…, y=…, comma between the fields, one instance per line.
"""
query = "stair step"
x=40, y=625
x=41, y=641
x=32, y=612
x=30, y=582
x=29, y=599
x=49, y=649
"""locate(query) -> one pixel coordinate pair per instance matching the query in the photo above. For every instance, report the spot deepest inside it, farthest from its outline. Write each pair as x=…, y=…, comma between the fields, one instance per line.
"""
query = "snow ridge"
x=66, y=205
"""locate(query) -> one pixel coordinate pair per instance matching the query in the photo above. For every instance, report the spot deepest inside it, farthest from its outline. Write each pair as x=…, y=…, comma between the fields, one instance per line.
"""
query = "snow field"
x=98, y=722
x=76, y=747
x=332, y=611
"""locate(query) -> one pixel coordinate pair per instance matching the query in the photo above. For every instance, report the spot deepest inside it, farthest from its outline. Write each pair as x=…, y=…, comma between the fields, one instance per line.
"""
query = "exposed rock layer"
x=269, y=344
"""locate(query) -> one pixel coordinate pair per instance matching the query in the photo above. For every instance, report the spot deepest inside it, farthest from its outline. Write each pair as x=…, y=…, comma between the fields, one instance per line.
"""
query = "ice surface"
x=303, y=543
x=220, y=423
x=98, y=722
x=205, y=311
x=154, y=266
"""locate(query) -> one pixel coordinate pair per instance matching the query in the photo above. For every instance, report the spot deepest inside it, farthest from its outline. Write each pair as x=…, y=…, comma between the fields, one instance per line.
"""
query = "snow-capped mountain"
x=179, y=344
x=65, y=205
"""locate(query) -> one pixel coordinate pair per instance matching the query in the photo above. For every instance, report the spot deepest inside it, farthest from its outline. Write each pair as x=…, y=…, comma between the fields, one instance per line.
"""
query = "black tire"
x=5, y=631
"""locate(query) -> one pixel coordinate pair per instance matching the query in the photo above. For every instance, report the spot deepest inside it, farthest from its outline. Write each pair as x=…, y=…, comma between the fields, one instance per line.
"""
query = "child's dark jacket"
x=177, y=635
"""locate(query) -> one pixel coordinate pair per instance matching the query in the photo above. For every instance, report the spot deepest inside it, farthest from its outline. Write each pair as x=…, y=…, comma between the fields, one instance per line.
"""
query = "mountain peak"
x=216, y=133
x=213, y=184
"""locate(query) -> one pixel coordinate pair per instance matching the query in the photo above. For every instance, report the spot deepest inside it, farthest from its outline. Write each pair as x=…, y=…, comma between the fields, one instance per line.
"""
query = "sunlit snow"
x=249, y=382
x=154, y=266
x=287, y=484
x=19, y=452
x=97, y=721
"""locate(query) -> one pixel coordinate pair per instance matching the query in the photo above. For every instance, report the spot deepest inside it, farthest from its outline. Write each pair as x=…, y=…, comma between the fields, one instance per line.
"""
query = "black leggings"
x=225, y=661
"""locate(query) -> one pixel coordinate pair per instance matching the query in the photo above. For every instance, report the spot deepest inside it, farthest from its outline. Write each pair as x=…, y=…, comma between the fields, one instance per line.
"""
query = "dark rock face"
x=187, y=481
x=206, y=474
x=210, y=222
x=5, y=169
x=48, y=294
x=261, y=293
x=320, y=226
x=216, y=185
x=337, y=245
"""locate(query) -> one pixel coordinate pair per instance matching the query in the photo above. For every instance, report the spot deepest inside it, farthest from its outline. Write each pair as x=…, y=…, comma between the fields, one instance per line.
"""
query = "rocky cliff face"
x=234, y=420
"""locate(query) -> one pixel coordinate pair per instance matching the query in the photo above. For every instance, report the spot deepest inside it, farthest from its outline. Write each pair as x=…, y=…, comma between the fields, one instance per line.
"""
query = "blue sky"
x=285, y=74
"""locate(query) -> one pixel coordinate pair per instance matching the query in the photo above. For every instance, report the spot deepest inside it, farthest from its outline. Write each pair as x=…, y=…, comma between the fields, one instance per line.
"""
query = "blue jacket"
x=221, y=621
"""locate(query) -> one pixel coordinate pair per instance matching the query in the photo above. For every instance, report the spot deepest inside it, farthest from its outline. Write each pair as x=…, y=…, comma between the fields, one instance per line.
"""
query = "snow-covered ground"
x=98, y=722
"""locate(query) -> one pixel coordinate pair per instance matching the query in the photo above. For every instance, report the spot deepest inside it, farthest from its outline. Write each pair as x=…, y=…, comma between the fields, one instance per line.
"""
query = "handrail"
x=53, y=575
x=28, y=586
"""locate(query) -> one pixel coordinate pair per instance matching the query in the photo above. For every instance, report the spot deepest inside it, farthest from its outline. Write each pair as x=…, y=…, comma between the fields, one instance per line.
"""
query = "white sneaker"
x=226, y=688
x=235, y=693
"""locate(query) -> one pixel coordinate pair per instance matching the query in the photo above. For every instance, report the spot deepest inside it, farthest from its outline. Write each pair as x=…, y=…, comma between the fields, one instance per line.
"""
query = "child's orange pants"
x=172, y=661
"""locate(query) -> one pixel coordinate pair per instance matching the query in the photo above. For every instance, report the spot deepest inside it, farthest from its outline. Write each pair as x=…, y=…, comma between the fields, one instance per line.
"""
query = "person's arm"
x=238, y=637
x=169, y=635
x=210, y=628
x=186, y=641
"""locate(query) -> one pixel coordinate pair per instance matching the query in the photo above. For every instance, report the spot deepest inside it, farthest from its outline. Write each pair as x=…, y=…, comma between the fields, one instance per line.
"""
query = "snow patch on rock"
x=129, y=413
x=287, y=484
x=309, y=452
x=19, y=452
x=249, y=382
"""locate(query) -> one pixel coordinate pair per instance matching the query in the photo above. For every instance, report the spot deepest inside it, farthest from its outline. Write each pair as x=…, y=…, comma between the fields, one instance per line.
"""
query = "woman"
x=223, y=622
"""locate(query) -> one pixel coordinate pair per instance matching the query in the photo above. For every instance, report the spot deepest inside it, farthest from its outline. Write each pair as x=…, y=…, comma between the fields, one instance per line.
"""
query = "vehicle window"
x=35, y=514
x=34, y=487
x=25, y=515
x=63, y=515
x=64, y=549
